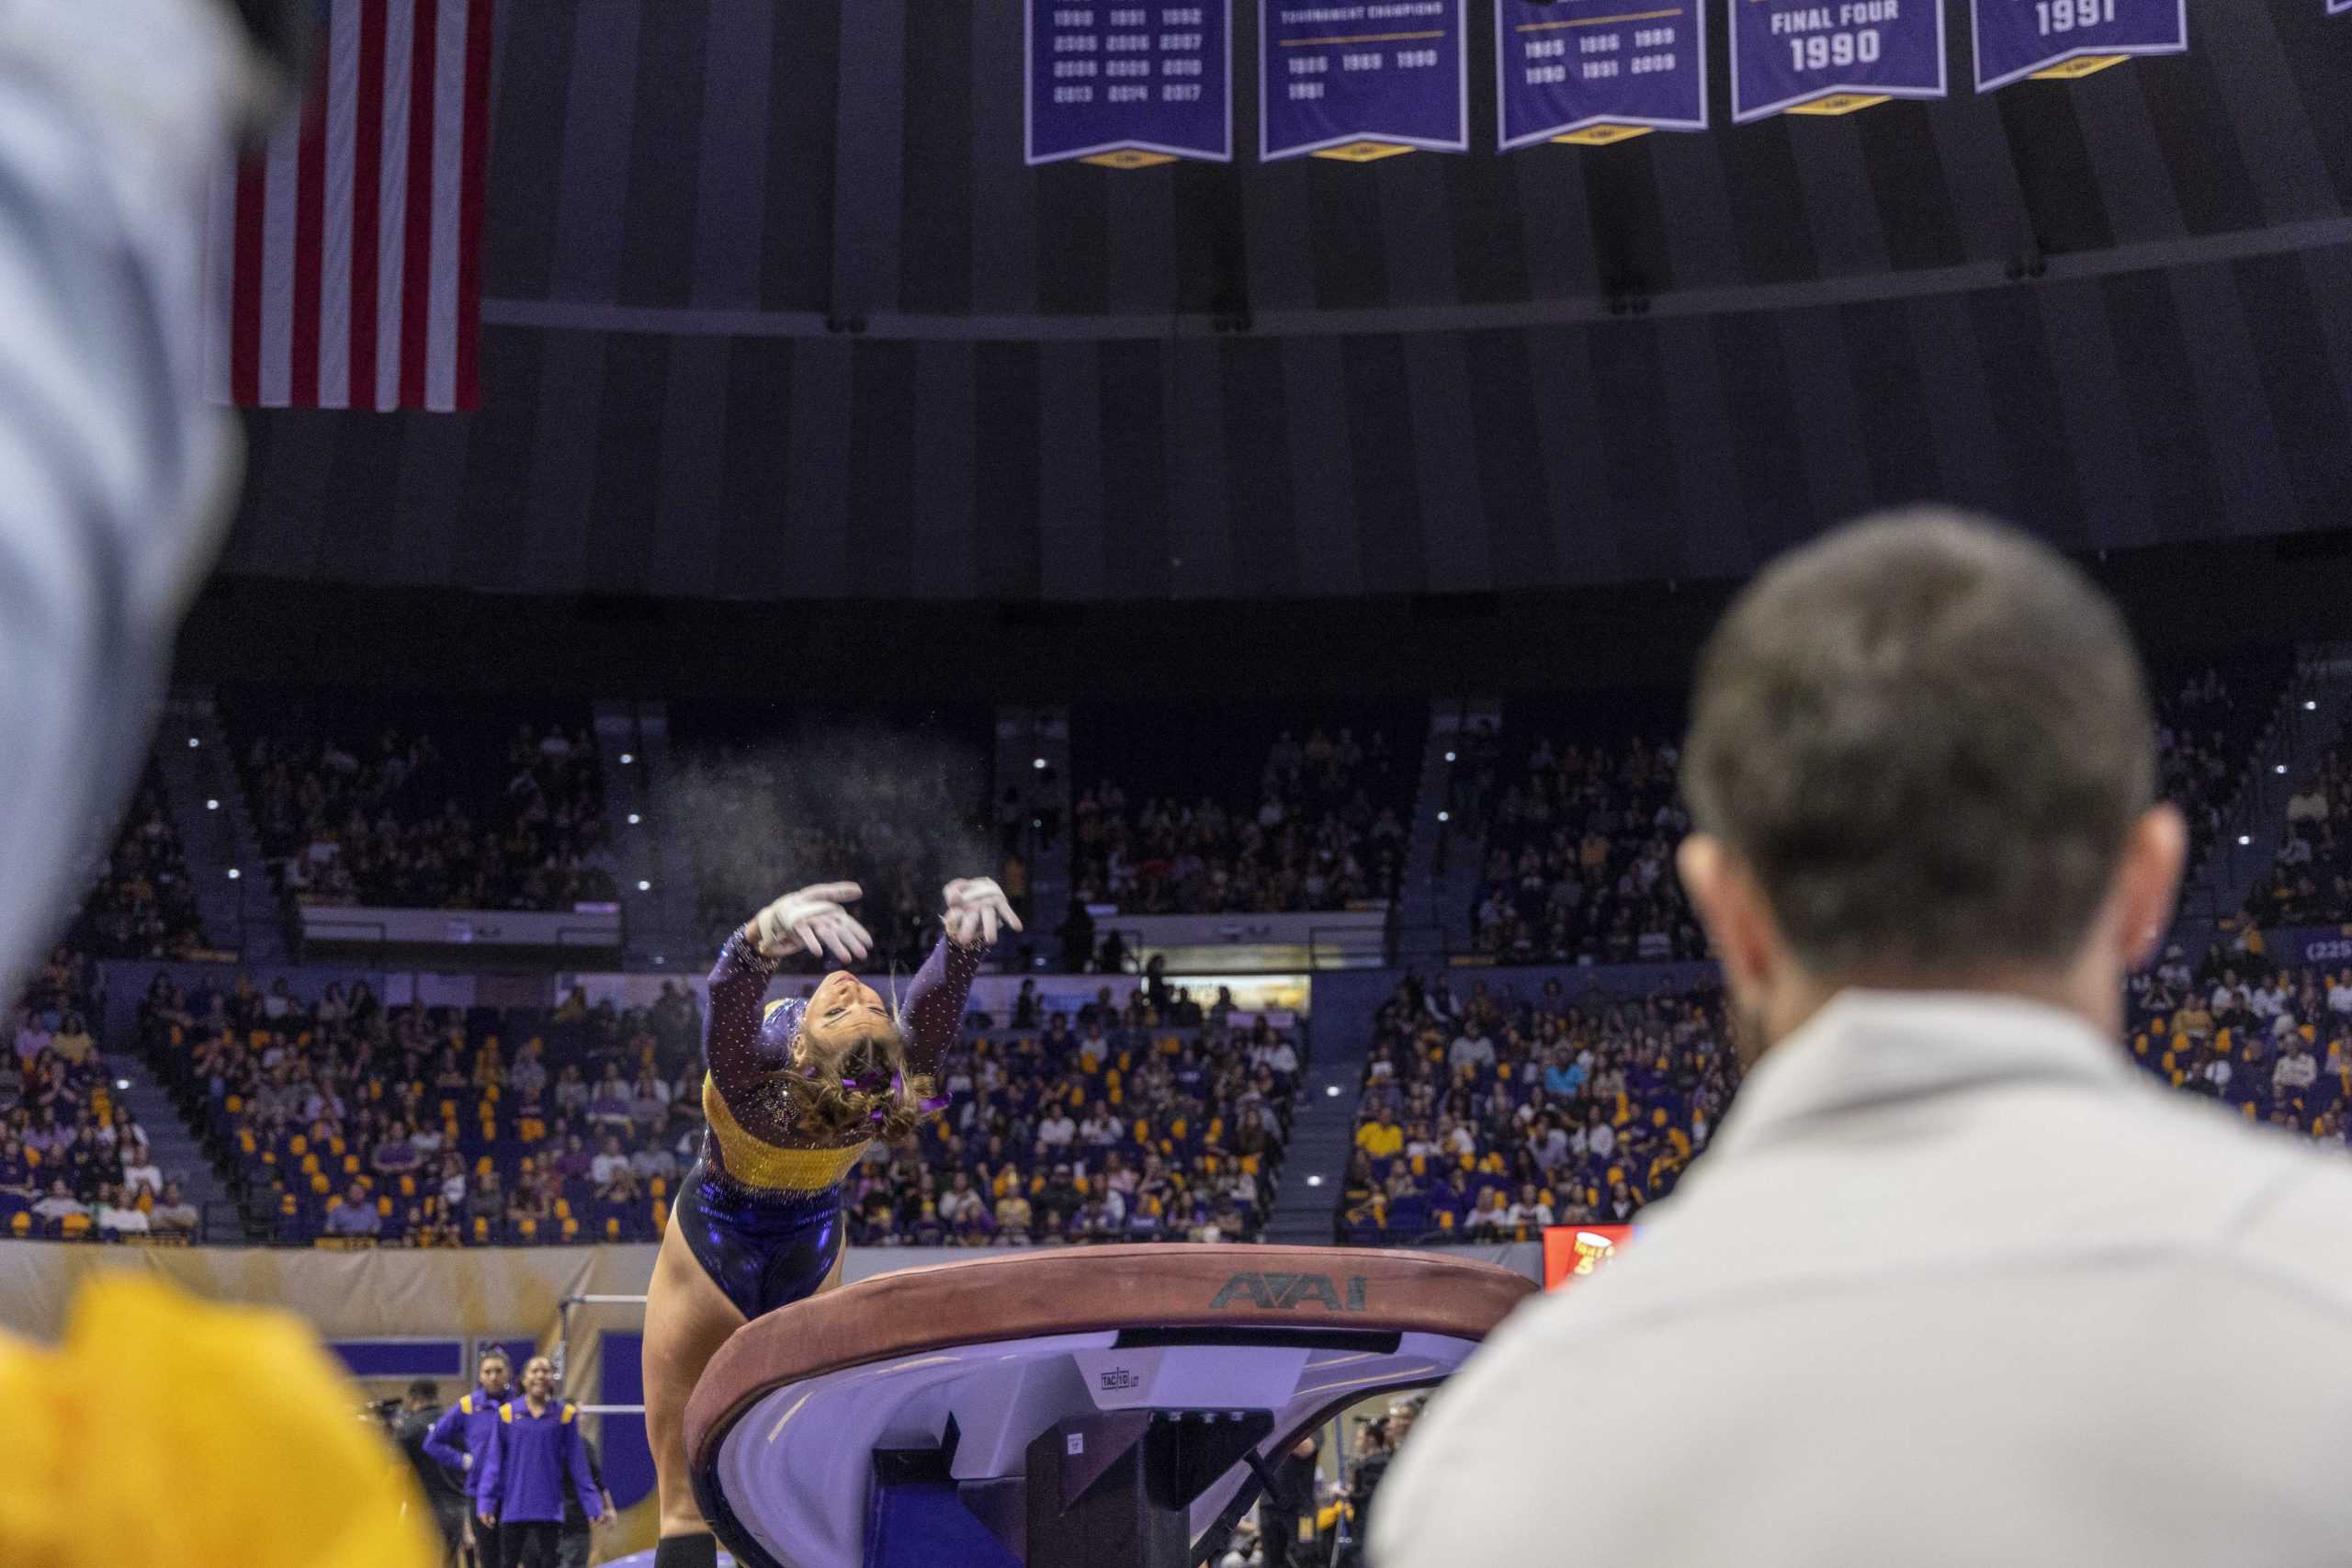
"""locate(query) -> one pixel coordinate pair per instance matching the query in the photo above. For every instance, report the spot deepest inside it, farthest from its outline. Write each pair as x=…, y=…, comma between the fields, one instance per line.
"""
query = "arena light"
x=1449, y=756
x=627, y=757
x=1331, y=1091
x=2245, y=839
x=2310, y=706
x=211, y=804
x=1311, y=1181
x=193, y=743
x=1445, y=817
x=1039, y=762
x=634, y=818
x=643, y=885
x=122, y=1083
x=234, y=874
x=2279, y=769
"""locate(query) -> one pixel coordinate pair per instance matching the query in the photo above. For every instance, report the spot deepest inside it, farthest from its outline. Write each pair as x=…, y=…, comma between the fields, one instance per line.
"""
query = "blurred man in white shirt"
x=117, y=473
x=1925, y=1299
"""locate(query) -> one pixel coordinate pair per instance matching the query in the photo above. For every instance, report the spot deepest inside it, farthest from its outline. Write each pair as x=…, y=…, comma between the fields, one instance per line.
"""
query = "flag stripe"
x=469, y=212
x=310, y=227
x=416, y=276
x=334, y=272
x=277, y=266
x=448, y=169
x=244, y=374
x=346, y=256
x=367, y=169
x=399, y=41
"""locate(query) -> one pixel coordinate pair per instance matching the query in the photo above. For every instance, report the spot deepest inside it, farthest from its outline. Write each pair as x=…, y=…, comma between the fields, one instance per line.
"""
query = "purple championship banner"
x=1805, y=57
x=1594, y=71
x=1130, y=85
x=2067, y=39
x=1358, y=80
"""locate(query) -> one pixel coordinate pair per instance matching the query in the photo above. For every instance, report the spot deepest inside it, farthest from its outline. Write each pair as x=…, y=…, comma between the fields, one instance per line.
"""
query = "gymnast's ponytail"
x=890, y=1112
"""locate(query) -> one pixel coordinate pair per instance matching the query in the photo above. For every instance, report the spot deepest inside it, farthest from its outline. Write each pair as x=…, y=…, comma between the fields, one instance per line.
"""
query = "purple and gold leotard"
x=762, y=1210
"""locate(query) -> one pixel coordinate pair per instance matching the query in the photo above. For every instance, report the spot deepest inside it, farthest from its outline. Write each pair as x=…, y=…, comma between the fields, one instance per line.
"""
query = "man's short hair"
x=425, y=1389
x=1928, y=736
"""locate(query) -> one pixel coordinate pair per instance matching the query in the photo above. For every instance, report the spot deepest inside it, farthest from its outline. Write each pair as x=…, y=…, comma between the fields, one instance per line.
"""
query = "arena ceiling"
x=775, y=311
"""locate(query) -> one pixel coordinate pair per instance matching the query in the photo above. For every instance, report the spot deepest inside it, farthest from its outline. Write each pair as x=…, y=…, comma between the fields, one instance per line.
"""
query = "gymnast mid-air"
x=796, y=1091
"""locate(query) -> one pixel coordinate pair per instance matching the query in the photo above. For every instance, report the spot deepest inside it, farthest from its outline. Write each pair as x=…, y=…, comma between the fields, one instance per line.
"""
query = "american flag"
x=349, y=256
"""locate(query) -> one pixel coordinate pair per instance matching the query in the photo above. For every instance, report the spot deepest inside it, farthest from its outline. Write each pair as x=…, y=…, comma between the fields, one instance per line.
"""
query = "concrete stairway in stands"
x=1024, y=738
x=177, y=1153
x=240, y=909
x=1322, y=1130
x=1323, y=1122
x=2311, y=713
x=1441, y=869
x=653, y=863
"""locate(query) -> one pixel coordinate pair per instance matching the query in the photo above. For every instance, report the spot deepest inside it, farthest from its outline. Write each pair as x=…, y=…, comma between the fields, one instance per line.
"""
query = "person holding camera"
x=1381, y=1440
x=445, y=1490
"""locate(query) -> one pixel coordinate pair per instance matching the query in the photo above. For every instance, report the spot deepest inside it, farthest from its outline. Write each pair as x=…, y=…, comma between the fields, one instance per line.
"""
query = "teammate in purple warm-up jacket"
x=465, y=1433
x=537, y=1451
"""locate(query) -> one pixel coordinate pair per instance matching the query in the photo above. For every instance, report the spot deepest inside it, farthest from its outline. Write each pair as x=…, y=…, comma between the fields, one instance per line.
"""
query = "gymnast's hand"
x=814, y=919
x=976, y=907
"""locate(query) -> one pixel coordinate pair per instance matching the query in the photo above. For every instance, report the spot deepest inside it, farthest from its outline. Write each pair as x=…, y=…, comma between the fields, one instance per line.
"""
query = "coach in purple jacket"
x=521, y=1487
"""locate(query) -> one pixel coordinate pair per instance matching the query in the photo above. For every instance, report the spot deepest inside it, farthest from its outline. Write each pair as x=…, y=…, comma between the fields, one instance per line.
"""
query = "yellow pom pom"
x=169, y=1432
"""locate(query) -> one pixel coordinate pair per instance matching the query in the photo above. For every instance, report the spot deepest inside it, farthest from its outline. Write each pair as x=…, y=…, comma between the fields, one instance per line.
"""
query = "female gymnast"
x=794, y=1092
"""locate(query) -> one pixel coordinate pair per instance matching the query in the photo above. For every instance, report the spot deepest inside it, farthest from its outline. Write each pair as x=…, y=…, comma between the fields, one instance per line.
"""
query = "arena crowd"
x=349, y=1119
x=1321, y=827
x=377, y=806
x=74, y=1163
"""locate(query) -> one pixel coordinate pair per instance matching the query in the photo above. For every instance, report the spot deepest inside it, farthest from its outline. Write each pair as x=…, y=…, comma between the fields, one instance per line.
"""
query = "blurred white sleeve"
x=115, y=473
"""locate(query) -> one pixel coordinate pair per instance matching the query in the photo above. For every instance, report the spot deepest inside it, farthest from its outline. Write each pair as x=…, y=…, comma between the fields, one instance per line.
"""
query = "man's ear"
x=2147, y=881
x=1730, y=907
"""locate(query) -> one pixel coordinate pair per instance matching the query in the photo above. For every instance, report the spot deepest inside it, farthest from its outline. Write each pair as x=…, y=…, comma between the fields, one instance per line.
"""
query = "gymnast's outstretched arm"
x=934, y=1010
x=934, y=1005
x=732, y=1041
